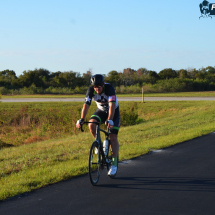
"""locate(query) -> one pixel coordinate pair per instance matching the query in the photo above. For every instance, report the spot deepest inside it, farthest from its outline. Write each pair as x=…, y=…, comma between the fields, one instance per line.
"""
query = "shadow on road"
x=164, y=183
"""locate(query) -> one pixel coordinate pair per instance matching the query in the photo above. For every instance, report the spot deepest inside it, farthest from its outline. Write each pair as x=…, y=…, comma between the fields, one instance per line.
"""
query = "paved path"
x=176, y=180
x=119, y=98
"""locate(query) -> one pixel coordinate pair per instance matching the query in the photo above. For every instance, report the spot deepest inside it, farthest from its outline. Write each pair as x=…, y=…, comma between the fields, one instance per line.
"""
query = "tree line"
x=129, y=80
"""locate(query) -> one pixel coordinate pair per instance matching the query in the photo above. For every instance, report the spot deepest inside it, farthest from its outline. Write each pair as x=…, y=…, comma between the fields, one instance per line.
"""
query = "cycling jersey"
x=108, y=95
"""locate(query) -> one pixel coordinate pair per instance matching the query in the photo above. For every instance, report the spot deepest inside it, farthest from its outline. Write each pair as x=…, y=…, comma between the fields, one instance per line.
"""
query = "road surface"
x=119, y=98
x=175, y=180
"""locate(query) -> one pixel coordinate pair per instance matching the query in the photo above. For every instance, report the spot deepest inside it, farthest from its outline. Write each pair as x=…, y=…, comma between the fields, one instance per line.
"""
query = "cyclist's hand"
x=109, y=123
x=79, y=123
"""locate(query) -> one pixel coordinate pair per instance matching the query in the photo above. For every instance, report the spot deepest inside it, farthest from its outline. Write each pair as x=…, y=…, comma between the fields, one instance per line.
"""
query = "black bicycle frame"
x=98, y=139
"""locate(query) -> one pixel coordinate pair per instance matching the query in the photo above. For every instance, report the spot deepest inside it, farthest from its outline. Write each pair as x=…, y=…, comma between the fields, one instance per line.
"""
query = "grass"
x=177, y=94
x=25, y=123
x=161, y=124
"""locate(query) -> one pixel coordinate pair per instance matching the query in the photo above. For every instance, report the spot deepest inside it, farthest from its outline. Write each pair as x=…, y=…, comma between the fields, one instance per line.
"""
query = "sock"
x=114, y=162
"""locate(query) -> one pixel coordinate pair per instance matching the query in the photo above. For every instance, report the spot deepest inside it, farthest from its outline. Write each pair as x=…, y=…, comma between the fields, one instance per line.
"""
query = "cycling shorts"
x=101, y=116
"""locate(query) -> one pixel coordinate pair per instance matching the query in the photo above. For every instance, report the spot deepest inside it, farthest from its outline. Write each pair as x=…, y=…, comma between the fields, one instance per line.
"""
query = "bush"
x=203, y=85
x=172, y=85
x=129, y=115
x=4, y=91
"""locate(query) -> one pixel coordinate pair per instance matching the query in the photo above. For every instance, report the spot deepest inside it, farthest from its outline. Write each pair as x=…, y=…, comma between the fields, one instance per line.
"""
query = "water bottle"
x=105, y=147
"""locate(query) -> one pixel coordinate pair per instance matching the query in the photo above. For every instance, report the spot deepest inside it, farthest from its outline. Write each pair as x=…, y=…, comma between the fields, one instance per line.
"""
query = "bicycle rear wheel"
x=94, y=163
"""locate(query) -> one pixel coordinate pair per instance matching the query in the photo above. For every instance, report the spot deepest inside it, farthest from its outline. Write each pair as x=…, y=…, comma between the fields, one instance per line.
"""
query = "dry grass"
x=27, y=123
x=23, y=123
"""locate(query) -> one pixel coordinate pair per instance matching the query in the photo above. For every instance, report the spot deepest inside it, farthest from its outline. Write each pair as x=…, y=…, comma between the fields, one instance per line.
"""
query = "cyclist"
x=107, y=109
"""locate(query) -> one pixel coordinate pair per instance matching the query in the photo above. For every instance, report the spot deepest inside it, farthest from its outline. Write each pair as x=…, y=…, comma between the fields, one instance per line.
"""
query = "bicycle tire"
x=94, y=163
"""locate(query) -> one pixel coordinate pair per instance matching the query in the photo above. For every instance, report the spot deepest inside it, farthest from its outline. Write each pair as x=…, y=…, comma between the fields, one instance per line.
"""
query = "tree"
x=200, y=75
x=182, y=73
x=192, y=73
x=86, y=77
x=38, y=77
x=129, y=77
x=153, y=77
x=54, y=79
x=113, y=78
x=167, y=73
x=8, y=78
x=143, y=75
x=210, y=70
x=142, y=71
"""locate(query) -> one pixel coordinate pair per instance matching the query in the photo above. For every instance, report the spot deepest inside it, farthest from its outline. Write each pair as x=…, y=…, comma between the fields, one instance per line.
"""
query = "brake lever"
x=81, y=128
x=106, y=123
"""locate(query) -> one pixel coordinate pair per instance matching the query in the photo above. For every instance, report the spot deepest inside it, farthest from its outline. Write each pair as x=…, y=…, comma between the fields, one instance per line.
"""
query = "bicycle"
x=97, y=157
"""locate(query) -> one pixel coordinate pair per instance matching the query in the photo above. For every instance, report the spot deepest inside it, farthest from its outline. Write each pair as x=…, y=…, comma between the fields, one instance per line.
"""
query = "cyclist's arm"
x=111, y=113
x=111, y=110
x=84, y=111
x=88, y=100
x=112, y=103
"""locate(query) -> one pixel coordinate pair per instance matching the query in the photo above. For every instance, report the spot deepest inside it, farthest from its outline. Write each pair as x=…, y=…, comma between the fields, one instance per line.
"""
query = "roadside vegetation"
x=175, y=94
x=39, y=144
x=42, y=81
x=25, y=123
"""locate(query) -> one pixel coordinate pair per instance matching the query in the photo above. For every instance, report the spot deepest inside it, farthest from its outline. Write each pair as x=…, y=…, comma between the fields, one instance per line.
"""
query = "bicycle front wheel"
x=94, y=163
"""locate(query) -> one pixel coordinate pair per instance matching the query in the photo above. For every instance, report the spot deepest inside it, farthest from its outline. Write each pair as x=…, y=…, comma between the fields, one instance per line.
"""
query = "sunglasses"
x=97, y=86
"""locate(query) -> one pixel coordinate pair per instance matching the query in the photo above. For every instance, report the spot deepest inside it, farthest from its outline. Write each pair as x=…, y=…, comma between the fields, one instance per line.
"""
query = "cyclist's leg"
x=98, y=116
x=114, y=145
x=114, y=136
x=115, y=156
x=92, y=127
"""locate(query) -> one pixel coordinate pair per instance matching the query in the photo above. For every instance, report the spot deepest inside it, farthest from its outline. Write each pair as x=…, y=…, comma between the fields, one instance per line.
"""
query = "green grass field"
x=31, y=165
x=178, y=94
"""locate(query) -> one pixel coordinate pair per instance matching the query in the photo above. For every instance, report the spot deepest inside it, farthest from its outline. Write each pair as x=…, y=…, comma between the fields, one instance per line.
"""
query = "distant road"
x=119, y=98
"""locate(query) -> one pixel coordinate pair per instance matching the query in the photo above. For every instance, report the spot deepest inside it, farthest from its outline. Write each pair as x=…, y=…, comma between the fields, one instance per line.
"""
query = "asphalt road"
x=175, y=180
x=119, y=98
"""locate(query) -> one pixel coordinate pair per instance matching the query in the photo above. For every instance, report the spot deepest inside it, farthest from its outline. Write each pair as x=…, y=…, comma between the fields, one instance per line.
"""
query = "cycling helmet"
x=97, y=80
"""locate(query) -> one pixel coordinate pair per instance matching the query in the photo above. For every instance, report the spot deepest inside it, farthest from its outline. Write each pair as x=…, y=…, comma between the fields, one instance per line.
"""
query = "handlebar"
x=90, y=122
x=98, y=123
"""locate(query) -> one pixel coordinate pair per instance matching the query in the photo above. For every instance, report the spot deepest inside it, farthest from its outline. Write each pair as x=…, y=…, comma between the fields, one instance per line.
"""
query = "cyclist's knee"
x=92, y=126
x=113, y=137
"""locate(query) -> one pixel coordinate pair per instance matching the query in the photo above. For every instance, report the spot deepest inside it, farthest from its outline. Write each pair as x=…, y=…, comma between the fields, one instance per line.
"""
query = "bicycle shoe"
x=112, y=170
x=96, y=148
x=96, y=151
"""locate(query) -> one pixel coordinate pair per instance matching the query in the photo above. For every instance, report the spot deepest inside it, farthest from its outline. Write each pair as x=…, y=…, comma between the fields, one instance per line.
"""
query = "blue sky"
x=65, y=35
